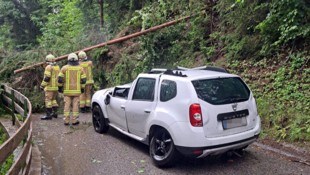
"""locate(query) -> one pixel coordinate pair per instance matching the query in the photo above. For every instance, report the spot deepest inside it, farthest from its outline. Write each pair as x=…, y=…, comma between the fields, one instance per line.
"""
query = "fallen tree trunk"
x=117, y=40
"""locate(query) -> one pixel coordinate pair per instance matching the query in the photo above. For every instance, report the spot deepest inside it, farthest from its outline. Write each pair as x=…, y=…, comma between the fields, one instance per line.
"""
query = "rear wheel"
x=99, y=122
x=162, y=149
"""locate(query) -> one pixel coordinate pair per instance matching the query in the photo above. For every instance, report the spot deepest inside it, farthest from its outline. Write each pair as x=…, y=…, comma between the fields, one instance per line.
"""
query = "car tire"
x=99, y=122
x=162, y=149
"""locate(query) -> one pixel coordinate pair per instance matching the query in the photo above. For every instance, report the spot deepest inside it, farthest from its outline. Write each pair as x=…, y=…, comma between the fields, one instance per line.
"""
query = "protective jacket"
x=50, y=78
x=87, y=67
x=72, y=79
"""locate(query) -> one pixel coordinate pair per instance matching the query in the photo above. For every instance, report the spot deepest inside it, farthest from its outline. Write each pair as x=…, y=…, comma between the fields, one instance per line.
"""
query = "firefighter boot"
x=88, y=109
x=83, y=109
x=48, y=115
x=54, y=114
x=75, y=120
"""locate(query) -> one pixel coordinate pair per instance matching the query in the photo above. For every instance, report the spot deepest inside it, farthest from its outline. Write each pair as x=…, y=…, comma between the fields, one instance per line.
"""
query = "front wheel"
x=99, y=122
x=162, y=149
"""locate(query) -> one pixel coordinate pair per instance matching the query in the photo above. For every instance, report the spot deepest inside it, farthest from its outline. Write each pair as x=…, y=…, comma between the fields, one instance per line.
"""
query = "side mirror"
x=107, y=99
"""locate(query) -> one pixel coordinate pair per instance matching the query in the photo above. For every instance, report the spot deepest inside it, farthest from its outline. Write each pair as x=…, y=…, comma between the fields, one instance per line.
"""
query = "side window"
x=144, y=89
x=121, y=92
x=168, y=90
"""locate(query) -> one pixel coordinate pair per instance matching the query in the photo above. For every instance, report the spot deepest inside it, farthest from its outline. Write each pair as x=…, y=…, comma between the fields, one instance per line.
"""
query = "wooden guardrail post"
x=13, y=106
x=1, y=92
x=25, y=109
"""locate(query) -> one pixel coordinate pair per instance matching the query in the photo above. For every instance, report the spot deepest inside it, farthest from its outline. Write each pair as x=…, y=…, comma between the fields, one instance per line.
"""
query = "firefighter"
x=85, y=97
x=50, y=86
x=71, y=81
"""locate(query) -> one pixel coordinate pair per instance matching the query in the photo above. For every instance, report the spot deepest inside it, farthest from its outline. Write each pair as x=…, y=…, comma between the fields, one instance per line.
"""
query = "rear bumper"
x=199, y=152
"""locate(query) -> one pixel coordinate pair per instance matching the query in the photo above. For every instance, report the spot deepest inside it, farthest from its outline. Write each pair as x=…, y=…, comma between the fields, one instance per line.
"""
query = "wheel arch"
x=153, y=129
x=102, y=107
x=171, y=154
x=94, y=104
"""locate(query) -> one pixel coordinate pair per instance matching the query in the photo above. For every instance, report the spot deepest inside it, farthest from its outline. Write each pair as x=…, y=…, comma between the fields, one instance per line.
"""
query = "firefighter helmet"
x=82, y=55
x=72, y=57
x=49, y=58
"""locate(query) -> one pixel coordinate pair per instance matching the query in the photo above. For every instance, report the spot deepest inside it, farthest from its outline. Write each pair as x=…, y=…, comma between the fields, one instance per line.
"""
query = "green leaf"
x=141, y=171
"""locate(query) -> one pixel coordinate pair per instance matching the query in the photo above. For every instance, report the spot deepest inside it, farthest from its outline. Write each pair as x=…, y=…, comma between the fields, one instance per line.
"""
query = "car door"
x=116, y=110
x=140, y=106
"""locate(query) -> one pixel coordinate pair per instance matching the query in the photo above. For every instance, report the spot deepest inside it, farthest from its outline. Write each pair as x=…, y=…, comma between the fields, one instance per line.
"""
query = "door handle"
x=147, y=111
x=122, y=107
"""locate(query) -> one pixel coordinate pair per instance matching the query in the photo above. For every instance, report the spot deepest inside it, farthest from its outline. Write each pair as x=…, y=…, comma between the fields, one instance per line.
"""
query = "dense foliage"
x=266, y=42
x=9, y=162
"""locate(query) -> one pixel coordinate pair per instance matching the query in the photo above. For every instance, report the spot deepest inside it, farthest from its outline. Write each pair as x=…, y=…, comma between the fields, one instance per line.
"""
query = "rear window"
x=168, y=90
x=222, y=90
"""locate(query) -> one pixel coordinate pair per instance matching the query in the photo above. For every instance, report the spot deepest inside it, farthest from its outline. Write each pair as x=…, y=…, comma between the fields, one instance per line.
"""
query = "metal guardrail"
x=14, y=102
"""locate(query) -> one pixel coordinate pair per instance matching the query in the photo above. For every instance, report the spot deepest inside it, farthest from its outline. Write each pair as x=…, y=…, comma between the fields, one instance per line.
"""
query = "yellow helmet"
x=72, y=57
x=82, y=55
x=49, y=58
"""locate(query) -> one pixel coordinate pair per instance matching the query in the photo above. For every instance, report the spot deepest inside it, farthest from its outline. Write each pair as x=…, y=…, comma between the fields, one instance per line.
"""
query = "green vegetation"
x=8, y=163
x=282, y=95
x=266, y=42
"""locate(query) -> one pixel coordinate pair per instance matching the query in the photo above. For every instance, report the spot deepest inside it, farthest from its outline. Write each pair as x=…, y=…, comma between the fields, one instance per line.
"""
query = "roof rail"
x=216, y=69
x=157, y=71
x=182, y=68
x=210, y=68
x=174, y=73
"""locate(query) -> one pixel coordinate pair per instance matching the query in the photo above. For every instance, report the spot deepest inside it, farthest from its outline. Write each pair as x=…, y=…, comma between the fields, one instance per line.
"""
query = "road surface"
x=79, y=150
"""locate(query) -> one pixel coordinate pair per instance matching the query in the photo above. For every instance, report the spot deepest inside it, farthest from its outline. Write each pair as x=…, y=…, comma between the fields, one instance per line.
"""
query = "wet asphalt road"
x=79, y=150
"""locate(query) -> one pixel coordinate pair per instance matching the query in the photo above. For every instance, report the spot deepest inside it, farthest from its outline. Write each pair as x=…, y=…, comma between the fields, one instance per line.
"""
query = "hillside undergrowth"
x=265, y=42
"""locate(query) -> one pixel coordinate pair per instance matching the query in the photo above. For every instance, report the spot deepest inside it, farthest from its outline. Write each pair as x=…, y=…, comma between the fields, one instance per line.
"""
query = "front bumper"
x=199, y=152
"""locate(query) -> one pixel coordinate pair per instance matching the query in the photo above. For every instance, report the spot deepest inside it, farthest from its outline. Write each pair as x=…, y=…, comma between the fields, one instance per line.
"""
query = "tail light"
x=195, y=115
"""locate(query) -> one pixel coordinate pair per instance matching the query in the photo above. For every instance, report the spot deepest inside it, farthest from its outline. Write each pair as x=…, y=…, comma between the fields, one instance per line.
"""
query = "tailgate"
x=223, y=120
x=227, y=105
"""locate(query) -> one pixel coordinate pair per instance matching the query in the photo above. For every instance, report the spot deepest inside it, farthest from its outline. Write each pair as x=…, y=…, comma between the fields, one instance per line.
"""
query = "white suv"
x=195, y=112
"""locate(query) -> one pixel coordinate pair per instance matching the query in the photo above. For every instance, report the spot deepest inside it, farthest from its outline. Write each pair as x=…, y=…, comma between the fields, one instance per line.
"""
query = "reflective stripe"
x=54, y=103
x=67, y=80
x=66, y=114
x=47, y=73
x=78, y=80
x=72, y=92
x=52, y=88
x=72, y=79
x=75, y=114
x=90, y=76
x=82, y=102
x=88, y=71
x=90, y=82
x=48, y=104
x=44, y=83
x=52, y=72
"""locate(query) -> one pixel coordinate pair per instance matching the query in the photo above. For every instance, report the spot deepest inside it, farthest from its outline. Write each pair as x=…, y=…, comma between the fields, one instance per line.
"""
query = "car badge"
x=234, y=106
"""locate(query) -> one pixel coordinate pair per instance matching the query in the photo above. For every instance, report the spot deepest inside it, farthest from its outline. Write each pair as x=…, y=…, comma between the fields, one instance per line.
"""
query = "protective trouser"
x=85, y=97
x=71, y=104
x=50, y=99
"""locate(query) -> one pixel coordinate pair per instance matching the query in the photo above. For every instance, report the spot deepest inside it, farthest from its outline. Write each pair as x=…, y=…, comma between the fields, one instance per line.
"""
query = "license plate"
x=233, y=123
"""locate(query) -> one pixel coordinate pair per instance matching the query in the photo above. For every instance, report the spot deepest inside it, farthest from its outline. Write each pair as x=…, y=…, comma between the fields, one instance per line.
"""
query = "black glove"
x=41, y=87
x=82, y=90
x=61, y=89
